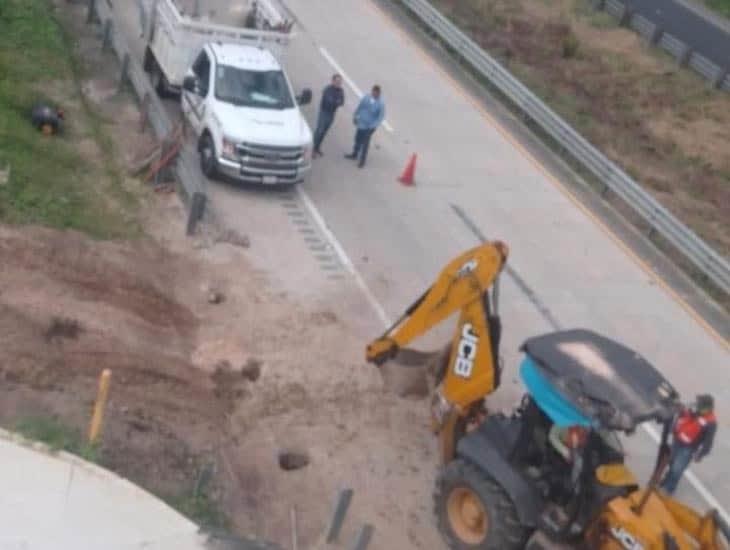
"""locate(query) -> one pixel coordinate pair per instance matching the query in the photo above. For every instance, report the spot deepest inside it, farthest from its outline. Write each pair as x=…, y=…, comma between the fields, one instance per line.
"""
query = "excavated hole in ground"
x=293, y=460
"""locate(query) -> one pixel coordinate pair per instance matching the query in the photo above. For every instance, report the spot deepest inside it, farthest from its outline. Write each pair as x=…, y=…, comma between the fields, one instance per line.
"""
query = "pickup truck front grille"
x=269, y=159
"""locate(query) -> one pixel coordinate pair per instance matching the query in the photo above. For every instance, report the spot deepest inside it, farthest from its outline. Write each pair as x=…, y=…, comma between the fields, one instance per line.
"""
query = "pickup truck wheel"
x=208, y=159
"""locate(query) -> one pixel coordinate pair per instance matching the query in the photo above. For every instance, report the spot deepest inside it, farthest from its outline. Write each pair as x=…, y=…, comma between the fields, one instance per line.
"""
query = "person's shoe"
x=360, y=164
x=351, y=157
x=318, y=153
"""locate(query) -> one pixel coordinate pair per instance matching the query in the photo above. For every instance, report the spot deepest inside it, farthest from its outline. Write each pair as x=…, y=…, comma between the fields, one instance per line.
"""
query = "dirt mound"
x=71, y=307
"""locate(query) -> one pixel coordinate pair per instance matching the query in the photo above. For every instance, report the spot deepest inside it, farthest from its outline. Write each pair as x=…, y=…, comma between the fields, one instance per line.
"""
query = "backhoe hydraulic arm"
x=472, y=371
x=464, y=281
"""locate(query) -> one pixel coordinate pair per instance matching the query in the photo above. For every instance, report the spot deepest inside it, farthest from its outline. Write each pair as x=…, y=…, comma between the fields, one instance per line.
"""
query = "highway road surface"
x=474, y=177
x=688, y=25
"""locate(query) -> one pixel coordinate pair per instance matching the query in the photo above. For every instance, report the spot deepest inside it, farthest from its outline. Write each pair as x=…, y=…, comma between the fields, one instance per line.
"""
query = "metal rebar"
x=363, y=537
x=338, y=517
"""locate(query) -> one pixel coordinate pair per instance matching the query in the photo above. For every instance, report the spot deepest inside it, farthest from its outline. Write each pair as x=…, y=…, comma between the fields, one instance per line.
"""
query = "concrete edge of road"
x=97, y=472
x=705, y=310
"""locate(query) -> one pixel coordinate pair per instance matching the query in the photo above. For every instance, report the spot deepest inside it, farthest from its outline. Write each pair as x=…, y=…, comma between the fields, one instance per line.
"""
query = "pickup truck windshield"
x=258, y=89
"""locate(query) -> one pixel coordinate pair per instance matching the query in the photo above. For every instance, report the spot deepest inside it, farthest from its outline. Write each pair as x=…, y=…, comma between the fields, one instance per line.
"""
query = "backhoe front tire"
x=474, y=512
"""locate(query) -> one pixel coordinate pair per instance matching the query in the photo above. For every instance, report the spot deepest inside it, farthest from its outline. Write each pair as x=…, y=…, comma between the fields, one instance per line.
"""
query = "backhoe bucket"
x=414, y=373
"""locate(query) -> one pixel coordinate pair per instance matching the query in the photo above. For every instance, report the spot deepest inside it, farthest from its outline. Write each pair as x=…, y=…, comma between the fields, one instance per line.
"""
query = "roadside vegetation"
x=661, y=123
x=57, y=435
x=720, y=6
x=67, y=181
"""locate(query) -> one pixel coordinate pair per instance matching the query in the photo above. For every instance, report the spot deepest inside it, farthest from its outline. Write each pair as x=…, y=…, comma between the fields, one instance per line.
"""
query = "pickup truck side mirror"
x=190, y=84
x=305, y=98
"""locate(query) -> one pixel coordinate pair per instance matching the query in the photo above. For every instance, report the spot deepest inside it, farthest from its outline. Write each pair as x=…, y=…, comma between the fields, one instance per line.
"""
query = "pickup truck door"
x=194, y=103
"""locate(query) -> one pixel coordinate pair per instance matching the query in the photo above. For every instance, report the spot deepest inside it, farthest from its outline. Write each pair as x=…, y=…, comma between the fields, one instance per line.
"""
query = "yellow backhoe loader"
x=551, y=474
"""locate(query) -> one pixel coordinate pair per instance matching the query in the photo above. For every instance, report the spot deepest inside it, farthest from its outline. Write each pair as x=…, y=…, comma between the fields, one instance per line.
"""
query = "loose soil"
x=267, y=394
x=661, y=123
x=259, y=401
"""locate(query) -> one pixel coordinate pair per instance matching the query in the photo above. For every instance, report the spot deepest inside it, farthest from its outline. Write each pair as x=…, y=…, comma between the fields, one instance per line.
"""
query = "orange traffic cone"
x=407, y=177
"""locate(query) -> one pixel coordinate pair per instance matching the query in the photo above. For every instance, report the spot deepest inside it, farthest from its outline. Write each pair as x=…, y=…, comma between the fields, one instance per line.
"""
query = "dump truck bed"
x=176, y=37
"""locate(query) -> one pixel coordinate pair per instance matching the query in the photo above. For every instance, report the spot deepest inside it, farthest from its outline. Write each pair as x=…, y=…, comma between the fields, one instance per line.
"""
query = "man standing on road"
x=333, y=97
x=694, y=433
x=368, y=116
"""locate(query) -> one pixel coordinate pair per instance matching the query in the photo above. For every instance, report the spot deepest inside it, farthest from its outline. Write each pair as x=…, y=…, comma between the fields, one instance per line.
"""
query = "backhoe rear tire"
x=474, y=512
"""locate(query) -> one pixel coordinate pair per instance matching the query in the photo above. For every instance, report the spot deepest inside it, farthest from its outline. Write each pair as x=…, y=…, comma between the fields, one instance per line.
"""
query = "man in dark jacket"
x=333, y=97
x=693, y=435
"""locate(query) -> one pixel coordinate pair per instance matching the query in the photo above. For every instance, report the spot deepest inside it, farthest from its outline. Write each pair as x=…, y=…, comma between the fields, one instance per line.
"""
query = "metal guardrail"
x=659, y=219
x=186, y=166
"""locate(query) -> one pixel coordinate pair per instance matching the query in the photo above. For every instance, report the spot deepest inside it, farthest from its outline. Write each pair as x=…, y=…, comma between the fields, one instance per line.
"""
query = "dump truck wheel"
x=474, y=512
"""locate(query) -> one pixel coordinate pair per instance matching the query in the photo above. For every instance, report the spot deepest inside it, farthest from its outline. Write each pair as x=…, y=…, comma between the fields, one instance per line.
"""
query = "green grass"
x=720, y=6
x=50, y=182
x=57, y=436
x=197, y=504
x=201, y=509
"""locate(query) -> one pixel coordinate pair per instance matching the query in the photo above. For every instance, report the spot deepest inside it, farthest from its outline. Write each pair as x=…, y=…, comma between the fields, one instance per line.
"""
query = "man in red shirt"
x=693, y=435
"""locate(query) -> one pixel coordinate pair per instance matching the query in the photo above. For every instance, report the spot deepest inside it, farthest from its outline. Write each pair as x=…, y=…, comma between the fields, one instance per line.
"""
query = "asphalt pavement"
x=568, y=267
x=703, y=35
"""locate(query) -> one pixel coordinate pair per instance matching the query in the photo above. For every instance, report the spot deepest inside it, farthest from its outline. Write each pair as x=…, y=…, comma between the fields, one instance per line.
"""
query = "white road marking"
x=701, y=489
x=344, y=258
x=336, y=66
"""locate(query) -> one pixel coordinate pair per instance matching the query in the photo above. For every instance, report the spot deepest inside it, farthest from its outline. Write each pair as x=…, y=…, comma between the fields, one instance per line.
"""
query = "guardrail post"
x=684, y=56
x=124, y=76
x=144, y=112
x=197, y=208
x=152, y=22
x=91, y=11
x=656, y=35
x=720, y=77
x=625, y=17
x=107, y=40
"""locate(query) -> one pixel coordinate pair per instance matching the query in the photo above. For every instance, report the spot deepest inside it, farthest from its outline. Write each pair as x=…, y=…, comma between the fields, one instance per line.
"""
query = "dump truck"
x=234, y=94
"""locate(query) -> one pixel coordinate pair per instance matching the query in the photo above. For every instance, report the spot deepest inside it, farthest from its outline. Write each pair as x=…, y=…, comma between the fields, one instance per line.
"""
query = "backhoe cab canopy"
x=578, y=377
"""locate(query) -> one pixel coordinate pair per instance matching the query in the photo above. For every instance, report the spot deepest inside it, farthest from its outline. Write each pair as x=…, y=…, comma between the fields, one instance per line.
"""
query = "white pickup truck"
x=234, y=94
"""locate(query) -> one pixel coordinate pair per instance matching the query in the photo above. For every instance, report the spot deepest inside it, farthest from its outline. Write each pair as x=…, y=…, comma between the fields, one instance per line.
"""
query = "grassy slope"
x=661, y=123
x=720, y=6
x=51, y=182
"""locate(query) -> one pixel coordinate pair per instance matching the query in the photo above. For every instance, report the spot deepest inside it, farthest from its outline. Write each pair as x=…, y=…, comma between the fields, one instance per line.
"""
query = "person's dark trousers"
x=324, y=121
x=362, y=144
x=680, y=459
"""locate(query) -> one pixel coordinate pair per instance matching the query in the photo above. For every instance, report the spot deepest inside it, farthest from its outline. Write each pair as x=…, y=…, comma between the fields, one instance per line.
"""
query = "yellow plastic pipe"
x=99, y=406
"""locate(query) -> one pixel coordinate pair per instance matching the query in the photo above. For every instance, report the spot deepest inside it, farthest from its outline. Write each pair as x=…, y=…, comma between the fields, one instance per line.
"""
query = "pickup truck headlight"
x=228, y=151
